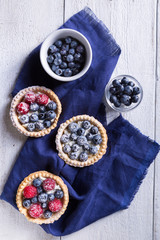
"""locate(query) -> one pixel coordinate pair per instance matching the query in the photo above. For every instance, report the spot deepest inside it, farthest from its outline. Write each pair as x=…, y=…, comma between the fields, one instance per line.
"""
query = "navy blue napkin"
x=111, y=183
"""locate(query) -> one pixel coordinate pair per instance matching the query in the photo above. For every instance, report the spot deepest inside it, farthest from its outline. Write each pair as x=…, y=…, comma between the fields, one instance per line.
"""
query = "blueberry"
x=66, y=148
x=57, y=55
x=125, y=99
x=47, y=123
x=67, y=72
x=81, y=131
x=77, y=65
x=53, y=49
x=31, y=127
x=44, y=205
x=34, y=107
x=81, y=140
x=117, y=103
x=80, y=49
x=77, y=57
x=72, y=51
x=73, y=127
x=57, y=62
x=113, y=90
x=58, y=43
x=86, y=147
x=41, y=116
x=65, y=47
x=64, y=138
x=74, y=44
x=42, y=197
x=50, y=59
x=73, y=155
x=135, y=98
x=136, y=90
x=34, y=200
x=42, y=109
x=24, y=119
x=131, y=84
x=68, y=40
x=97, y=139
x=58, y=194
x=47, y=214
x=50, y=196
x=128, y=103
x=37, y=182
x=73, y=136
x=93, y=149
x=63, y=52
x=113, y=99
x=33, y=117
x=39, y=126
x=75, y=71
x=75, y=147
x=26, y=203
x=39, y=190
x=94, y=130
x=50, y=115
x=116, y=83
x=59, y=72
x=89, y=136
x=54, y=67
x=51, y=105
x=64, y=58
x=63, y=65
x=83, y=156
x=128, y=90
x=86, y=124
x=71, y=64
x=120, y=88
x=124, y=81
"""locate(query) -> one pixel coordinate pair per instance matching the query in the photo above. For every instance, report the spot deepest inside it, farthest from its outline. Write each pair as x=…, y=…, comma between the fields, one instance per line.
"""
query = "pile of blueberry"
x=38, y=200
x=36, y=111
x=66, y=57
x=124, y=92
x=81, y=140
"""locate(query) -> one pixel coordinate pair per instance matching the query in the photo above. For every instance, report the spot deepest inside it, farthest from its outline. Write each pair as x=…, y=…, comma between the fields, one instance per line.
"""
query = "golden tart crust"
x=27, y=181
x=92, y=158
x=18, y=98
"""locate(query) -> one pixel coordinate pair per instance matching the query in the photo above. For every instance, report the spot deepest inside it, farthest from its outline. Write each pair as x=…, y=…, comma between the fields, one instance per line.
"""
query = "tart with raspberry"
x=42, y=197
x=35, y=111
x=81, y=141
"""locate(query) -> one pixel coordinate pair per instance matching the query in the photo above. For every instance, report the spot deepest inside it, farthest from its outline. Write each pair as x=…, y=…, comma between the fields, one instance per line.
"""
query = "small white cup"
x=53, y=37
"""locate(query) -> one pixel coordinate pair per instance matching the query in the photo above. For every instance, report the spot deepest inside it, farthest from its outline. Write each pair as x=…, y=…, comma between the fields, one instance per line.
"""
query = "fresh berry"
x=59, y=72
x=34, y=107
x=35, y=210
x=86, y=124
x=74, y=44
x=128, y=90
x=117, y=103
x=30, y=97
x=83, y=156
x=58, y=43
x=44, y=205
x=42, y=109
x=113, y=99
x=70, y=58
x=64, y=138
x=81, y=140
x=33, y=117
x=30, y=191
x=66, y=148
x=51, y=196
x=86, y=147
x=131, y=84
x=73, y=136
x=124, y=81
x=24, y=119
x=47, y=123
x=57, y=55
x=68, y=40
x=80, y=49
x=93, y=149
x=125, y=99
x=63, y=65
x=97, y=139
x=65, y=47
x=113, y=90
x=120, y=89
x=63, y=52
x=23, y=108
x=53, y=49
x=77, y=57
x=71, y=64
x=72, y=51
x=50, y=115
x=58, y=194
x=42, y=99
x=47, y=214
x=75, y=148
x=81, y=131
x=54, y=67
x=39, y=190
x=50, y=59
x=73, y=155
x=136, y=90
x=26, y=203
x=73, y=127
x=42, y=197
x=67, y=72
x=135, y=98
x=37, y=182
x=55, y=205
x=94, y=130
x=116, y=83
x=48, y=184
x=31, y=127
x=34, y=200
x=39, y=126
x=89, y=136
x=41, y=116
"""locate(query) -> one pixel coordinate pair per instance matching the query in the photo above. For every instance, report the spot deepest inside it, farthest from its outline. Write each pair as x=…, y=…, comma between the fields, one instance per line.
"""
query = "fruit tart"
x=81, y=141
x=42, y=197
x=35, y=111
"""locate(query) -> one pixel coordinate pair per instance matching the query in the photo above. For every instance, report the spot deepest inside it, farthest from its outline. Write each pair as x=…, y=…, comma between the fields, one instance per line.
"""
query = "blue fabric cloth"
x=111, y=183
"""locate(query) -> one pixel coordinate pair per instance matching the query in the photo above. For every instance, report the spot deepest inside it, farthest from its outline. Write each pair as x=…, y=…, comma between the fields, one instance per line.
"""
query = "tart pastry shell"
x=27, y=181
x=92, y=158
x=19, y=97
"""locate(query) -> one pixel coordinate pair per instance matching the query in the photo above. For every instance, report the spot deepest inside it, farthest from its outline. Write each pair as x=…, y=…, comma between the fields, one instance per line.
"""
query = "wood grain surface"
x=134, y=24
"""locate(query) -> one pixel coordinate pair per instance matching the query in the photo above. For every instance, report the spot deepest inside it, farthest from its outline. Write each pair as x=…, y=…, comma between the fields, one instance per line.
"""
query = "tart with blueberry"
x=35, y=111
x=81, y=141
x=42, y=197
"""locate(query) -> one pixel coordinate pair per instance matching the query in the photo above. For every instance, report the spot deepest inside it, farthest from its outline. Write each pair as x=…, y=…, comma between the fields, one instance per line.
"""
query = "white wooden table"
x=134, y=24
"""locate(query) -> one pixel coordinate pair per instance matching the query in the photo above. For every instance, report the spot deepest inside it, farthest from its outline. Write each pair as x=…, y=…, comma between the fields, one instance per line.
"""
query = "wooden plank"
x=132, y=25
x=23, y=25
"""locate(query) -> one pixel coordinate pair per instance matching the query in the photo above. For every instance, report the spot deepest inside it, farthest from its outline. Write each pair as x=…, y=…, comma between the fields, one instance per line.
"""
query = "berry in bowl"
x=66, y=55
x=35, y=111
x=123, y=93
x=42, y=197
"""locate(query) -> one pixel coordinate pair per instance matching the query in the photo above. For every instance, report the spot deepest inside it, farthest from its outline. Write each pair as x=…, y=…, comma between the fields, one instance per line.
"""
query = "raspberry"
x=55, y=205
x=30, y=192
x=35, y=210
x=22, y=108
x=30, y=97
x=42, y=99
x=48, y=184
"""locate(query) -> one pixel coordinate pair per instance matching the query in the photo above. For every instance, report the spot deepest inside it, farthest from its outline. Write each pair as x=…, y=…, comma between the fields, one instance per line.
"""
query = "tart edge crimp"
x=90, y=160
x=26, y=182
x=19, y=96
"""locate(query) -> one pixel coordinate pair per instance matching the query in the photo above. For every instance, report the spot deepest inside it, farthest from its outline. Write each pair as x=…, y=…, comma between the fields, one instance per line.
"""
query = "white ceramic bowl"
x=62, y=33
